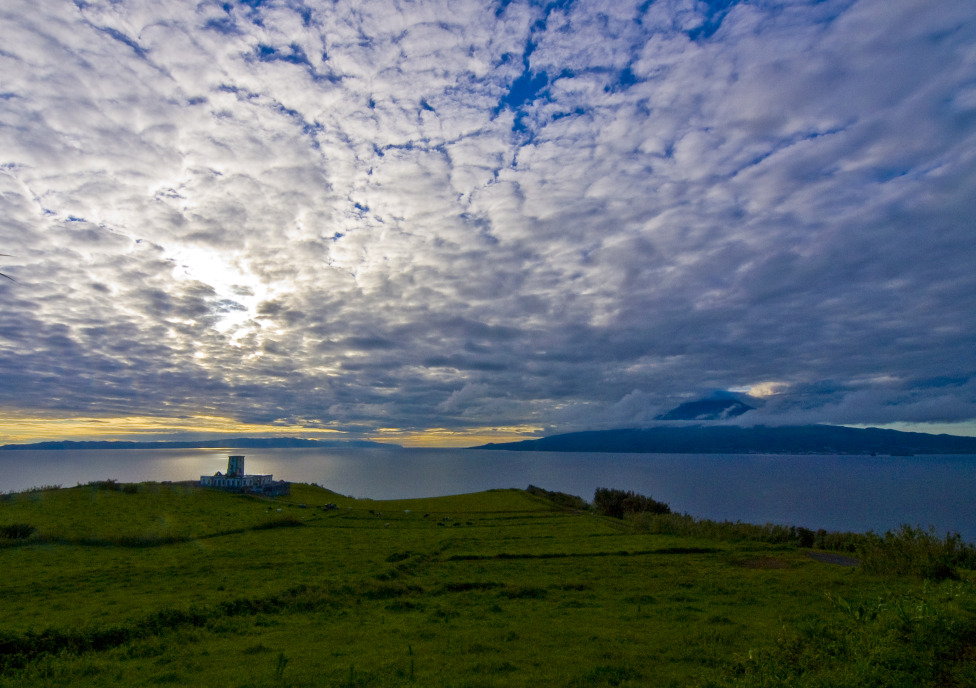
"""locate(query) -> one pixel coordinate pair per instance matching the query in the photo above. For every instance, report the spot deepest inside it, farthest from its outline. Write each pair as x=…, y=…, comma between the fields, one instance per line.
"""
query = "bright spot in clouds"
x=452, y=219
x=763, y=389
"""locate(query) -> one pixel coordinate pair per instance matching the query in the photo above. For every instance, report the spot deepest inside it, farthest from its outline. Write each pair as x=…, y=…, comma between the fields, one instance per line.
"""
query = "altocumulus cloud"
x=464, y=215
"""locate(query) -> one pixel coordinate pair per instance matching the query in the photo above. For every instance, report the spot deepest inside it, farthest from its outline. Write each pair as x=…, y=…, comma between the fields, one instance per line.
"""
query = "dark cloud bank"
x=464, y=215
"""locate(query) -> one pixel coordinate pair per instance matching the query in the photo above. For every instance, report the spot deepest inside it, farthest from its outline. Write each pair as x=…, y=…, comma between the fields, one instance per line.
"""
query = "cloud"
x=460, y=215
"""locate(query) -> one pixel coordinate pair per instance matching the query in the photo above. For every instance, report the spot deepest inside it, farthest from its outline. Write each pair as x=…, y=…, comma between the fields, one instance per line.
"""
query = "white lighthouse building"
x=236, y=480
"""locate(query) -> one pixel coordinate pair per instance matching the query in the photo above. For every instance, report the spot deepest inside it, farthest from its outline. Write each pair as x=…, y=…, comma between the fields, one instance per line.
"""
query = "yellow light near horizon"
x=17, y=428
x=27, y=428
x=470, y=437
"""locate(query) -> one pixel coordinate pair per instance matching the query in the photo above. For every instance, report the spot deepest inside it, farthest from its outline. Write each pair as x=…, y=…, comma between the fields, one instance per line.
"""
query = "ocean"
x=856, y=493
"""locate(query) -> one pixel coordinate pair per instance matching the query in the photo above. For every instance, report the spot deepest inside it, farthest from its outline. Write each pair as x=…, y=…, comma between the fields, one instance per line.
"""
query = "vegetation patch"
x=283, y=522
x=618, y=503
x=559, y=498
x=524, y=592
x=763, y=563
x=182, y=586
x=918, y=638
x=908, y=551
x=468, y=586
x=17, y=531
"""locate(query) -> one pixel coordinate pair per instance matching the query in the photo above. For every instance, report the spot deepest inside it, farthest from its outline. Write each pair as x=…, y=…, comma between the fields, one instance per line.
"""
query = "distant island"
x=235, y=443
x=728, y=439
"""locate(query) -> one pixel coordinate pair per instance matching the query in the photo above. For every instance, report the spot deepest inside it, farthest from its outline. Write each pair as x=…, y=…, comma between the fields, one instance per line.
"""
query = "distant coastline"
x=687, y=439
x=234, y=443
x=729, y=439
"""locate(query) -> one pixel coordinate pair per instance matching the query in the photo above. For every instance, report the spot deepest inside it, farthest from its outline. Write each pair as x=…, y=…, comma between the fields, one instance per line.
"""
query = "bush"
x=906, y=552
x=109, y=485
x=282, y=522
x=729, y=531
x=17, y=531
x=617, y=503
x=914, y=552
x=560, y=498
x=920, y=638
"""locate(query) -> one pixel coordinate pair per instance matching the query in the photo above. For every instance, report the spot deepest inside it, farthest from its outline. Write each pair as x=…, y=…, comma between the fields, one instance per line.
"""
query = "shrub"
x=17, y=531
x=617, y=503
x=917, y=638
x=282, y=522
x=560, y=498
x=729, y=531
x=906, y=552
x=913, y=552
x=109, y=485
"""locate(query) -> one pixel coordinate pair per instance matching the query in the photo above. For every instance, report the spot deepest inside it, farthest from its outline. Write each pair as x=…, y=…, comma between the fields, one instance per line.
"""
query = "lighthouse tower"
x=235, y=466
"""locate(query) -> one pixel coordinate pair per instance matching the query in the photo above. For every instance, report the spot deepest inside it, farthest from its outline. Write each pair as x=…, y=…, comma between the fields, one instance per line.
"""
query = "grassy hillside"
x=107, y=585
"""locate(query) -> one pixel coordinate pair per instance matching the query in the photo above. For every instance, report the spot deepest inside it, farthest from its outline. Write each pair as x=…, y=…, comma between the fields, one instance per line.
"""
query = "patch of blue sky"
x=886, y=174
x=781, y=145
x=625, y=78
x=715, y=12
x=523, y=93
x=252, y=9
x=572, y=113
x=526, y=89
x=225, y=25
x=242, y=94
x=308, y=128
x=122, y=38
x=502, y=5
x=294, y=54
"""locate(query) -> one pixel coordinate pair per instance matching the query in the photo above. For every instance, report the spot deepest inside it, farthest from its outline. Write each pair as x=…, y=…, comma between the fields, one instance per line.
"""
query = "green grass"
x=173, y=585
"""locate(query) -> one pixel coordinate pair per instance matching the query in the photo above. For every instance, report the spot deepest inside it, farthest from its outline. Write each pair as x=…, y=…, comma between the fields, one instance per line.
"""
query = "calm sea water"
x=856, y=493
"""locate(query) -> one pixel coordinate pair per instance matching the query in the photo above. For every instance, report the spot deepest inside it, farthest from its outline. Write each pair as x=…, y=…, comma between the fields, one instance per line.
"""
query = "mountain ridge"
x=233, y=443
x=731, y=439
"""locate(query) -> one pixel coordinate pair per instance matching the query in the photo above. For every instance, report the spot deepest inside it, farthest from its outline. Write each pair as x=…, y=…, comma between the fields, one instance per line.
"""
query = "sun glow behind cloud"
x=762, y=390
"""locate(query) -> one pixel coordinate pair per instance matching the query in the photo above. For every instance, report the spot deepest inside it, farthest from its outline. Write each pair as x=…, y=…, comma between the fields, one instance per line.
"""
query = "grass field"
x=149, y=584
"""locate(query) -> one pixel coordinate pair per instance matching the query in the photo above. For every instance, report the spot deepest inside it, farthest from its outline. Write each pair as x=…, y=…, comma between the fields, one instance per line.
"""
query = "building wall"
x=263, y=484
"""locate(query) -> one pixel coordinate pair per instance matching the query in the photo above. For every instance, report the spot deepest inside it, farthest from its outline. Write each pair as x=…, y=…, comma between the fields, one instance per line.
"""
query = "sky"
x=446, y=222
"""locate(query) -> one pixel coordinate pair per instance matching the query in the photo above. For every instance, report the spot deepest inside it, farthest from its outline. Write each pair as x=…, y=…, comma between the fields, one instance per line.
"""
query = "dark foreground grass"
x=172, y=585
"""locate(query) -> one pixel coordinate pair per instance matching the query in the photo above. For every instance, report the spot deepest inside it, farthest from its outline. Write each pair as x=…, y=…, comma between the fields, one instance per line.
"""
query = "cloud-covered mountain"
x=453, y=216
x=714, y=408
